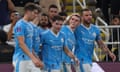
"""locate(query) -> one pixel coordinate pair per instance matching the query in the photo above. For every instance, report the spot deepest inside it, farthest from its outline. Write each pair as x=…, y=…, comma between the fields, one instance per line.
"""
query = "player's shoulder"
x=94, y=26
x=19, y=23
x=45, y=32
x=62, y=33
x=64, y=28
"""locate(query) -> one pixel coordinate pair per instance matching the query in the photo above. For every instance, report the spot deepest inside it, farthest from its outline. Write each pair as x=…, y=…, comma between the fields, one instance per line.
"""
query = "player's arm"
x=106, y=49
x=37, y=58
x=26, y=51
x=10, y=32
x=71, y=55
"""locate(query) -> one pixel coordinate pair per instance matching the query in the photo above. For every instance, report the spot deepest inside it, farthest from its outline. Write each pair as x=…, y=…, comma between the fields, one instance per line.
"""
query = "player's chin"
x=58, y=29
x=88, y=22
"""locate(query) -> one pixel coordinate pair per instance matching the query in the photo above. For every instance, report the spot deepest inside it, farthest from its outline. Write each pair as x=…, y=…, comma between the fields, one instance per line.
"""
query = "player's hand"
x=41, y=64
x=37, y=62
x=112, y=55
x=77, y=62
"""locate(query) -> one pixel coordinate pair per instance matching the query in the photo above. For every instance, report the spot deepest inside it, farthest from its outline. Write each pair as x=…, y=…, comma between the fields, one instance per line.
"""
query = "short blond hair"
x=69, y=17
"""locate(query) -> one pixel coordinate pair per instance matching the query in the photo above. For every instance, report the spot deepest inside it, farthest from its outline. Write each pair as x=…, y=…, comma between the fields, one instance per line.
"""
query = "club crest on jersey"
x=62, y=39
x=94, y=34
x=19, y=29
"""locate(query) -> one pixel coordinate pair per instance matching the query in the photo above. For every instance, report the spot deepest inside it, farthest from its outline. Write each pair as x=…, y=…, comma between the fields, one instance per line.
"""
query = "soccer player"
x=44, y=22
x=23, y=58
x=36, y=35
x=53, y=43
x=52, y=11
x=68, y=30
x=86, y=34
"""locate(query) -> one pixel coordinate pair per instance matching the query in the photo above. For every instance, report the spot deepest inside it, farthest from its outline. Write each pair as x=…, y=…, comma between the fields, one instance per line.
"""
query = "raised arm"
x=11, y=6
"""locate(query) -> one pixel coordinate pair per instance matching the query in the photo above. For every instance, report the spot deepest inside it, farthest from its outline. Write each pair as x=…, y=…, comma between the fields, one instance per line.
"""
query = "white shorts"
x=25, y=66
x=87, y=67
x=51, y=70
x=70, y=68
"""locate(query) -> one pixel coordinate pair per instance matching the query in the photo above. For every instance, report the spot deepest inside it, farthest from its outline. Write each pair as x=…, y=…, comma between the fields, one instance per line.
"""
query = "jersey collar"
x=86, y=27
x=69, y=28
x=54, y=33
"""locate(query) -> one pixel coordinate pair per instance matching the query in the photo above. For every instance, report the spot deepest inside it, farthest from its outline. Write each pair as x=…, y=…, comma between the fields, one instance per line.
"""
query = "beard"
x=88, y=21
x=43, y=24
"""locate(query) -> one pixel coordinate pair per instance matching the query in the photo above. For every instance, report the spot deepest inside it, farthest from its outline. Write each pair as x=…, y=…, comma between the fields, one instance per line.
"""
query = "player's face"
x=53, y=12
x=33, y=14
x=57, y=25
x=74, y=21
x=43, y=20
x=87, y=17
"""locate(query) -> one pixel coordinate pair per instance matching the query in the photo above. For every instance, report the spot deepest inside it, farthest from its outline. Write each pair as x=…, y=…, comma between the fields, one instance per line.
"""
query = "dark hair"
x=55, y=18
x=3, y=36
x=86, y=9
x=63, y=14
x=44, y=14
x=14, y=11
x=53, y=6
x=31, y=7
x=116, y=16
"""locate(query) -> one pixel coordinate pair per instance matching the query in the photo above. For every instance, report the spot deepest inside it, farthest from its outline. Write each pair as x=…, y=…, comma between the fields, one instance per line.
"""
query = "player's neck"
x=26, y=18
x=71, y=28
x=86, y=24
x=54, y=31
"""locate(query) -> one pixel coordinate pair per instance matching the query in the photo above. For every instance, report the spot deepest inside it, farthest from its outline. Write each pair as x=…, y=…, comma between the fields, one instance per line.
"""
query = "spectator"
x=105, y=5
x=98, y=3
x=21, y=3
x=6, y=50
x=14, y=16
x=5, y=7
x=63, y=5
x=114, y=36
x=115, y=7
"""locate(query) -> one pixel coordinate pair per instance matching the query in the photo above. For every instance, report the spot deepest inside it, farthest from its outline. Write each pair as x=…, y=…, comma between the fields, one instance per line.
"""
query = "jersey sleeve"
x=98, y=37
x=41, y=39
x=65, y=40
x=19, y=30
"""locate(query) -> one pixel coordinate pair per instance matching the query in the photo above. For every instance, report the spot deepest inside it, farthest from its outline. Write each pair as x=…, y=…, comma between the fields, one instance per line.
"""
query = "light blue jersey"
x=70, y=42
x=36, y=38
x=22, y=28
x=52, y=47
x=42, y=30
x=85, y=42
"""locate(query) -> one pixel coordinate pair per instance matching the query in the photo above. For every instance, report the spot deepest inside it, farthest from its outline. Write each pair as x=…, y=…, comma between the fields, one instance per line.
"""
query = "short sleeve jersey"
x=52, y=47
x=36, y=38
x=85, y=42
x=70, y=38
x=24, y=29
